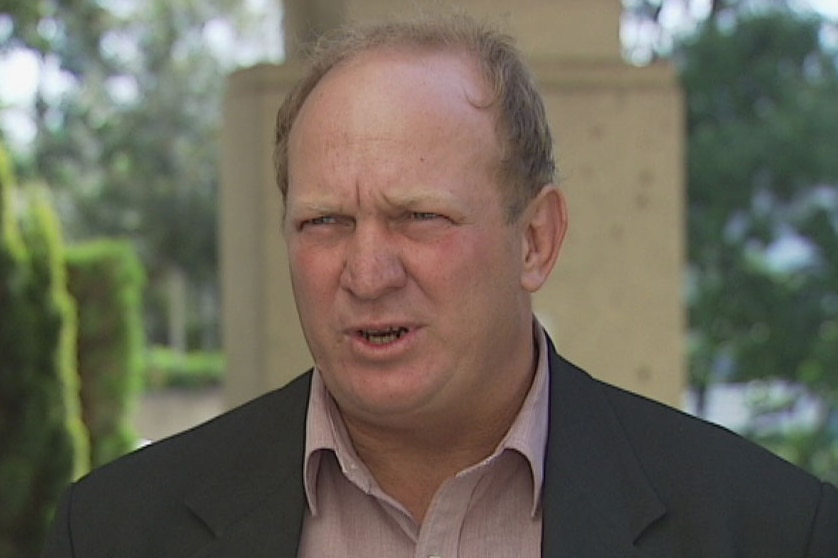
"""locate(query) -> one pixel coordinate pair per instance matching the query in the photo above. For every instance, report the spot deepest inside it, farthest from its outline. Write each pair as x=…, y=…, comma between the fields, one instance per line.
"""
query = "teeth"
x=384, y=336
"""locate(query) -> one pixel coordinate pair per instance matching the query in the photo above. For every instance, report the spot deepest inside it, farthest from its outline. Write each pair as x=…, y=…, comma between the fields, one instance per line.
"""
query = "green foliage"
x=812, y=447
x=42, y=444
x=28, y=16
x=762, y=169
x=130, y=146
x=166, y=368
x=106, y=279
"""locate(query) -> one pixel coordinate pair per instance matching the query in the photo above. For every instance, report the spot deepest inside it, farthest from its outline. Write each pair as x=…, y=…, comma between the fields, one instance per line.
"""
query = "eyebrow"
x=406, y=199
x=315, y=206
x=412, y=199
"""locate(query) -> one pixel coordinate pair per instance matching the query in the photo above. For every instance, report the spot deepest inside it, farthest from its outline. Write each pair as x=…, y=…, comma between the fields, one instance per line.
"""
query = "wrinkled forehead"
x=393, y=90
x=393, y=119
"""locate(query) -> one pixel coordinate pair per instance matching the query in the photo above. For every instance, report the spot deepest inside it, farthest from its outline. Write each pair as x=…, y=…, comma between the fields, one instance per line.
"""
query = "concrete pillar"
x=614, y=303
x=261, y=336
x=580, y=29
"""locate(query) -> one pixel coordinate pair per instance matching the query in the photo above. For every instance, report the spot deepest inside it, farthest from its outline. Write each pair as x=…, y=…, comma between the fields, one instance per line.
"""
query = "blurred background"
x=110, y=310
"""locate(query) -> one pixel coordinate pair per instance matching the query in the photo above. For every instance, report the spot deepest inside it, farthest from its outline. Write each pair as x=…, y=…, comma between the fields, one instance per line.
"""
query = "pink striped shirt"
x=492, y=508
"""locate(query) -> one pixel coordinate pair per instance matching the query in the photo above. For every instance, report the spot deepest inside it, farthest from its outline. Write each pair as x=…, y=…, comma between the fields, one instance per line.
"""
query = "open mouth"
x=383, y=336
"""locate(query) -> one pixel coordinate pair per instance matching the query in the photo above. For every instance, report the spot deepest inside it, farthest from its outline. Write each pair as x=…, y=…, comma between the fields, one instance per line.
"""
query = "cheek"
x=313, y=273
x=458, y=263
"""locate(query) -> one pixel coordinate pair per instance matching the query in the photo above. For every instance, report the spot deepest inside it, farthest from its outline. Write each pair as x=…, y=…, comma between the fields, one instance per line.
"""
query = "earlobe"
x=544, y=228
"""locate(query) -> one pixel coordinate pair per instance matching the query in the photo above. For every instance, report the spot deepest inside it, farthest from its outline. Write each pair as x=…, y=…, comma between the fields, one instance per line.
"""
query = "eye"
x=424, y=226
x=424, y=216
x=324, y=221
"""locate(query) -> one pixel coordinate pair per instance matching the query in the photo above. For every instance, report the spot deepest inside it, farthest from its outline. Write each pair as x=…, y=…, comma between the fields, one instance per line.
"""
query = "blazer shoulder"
x=176, y=464
x=172, y=496
x=720, y=476
x=721, y=494
x=656, y=429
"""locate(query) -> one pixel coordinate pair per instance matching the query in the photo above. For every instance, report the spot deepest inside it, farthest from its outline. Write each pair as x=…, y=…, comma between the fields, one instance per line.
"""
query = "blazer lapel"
x=597, y=499
x=257, y=510
x=271, y=530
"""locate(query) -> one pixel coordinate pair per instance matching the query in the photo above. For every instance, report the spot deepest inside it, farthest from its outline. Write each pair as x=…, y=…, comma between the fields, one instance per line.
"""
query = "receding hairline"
x=527, y=161
x=483, y=96
x=479, y=93
x=458, y=36
x=462, y=87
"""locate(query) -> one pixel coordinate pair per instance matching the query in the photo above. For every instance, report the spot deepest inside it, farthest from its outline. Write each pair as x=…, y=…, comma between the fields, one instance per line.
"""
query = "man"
x=420, y=215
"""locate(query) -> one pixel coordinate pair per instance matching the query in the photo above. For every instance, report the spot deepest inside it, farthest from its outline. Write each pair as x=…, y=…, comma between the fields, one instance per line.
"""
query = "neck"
x=412, y=459
x=413, y=474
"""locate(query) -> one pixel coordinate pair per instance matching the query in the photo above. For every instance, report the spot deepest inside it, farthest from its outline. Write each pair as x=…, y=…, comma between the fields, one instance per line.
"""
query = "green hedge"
x=42, y=441
x=166, y=368
x=106, y=279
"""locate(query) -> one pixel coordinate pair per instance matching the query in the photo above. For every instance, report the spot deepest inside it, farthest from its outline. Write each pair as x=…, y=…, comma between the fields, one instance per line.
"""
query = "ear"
x=544, y=224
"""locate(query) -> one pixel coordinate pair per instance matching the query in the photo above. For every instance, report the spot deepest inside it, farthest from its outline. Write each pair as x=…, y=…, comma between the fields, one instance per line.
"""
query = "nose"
x=373, y=266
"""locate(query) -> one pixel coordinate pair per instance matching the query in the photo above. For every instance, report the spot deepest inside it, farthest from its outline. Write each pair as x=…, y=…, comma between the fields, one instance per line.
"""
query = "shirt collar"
x=325, y=431
x=528, y=433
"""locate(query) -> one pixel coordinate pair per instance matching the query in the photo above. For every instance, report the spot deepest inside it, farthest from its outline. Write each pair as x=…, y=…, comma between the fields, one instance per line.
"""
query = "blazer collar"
x=597, y=499
x=257, y=510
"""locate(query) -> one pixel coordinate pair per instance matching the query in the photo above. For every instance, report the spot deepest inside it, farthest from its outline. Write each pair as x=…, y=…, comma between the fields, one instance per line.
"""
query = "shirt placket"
x=439, y=536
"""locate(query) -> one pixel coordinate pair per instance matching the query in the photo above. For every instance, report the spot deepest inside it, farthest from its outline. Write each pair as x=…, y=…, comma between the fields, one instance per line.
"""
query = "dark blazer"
x=625, y=477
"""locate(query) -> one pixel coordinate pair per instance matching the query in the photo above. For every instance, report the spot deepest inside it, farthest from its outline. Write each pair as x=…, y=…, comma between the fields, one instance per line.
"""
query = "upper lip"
x=379, y=327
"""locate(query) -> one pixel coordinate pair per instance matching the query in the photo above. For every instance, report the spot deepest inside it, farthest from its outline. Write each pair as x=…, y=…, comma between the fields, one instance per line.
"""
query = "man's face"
x=406, y=275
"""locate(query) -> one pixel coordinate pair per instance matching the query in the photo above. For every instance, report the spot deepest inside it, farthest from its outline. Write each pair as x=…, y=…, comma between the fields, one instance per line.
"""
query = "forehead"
x=391, y=105
x=453, y=64
x=395, y=84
